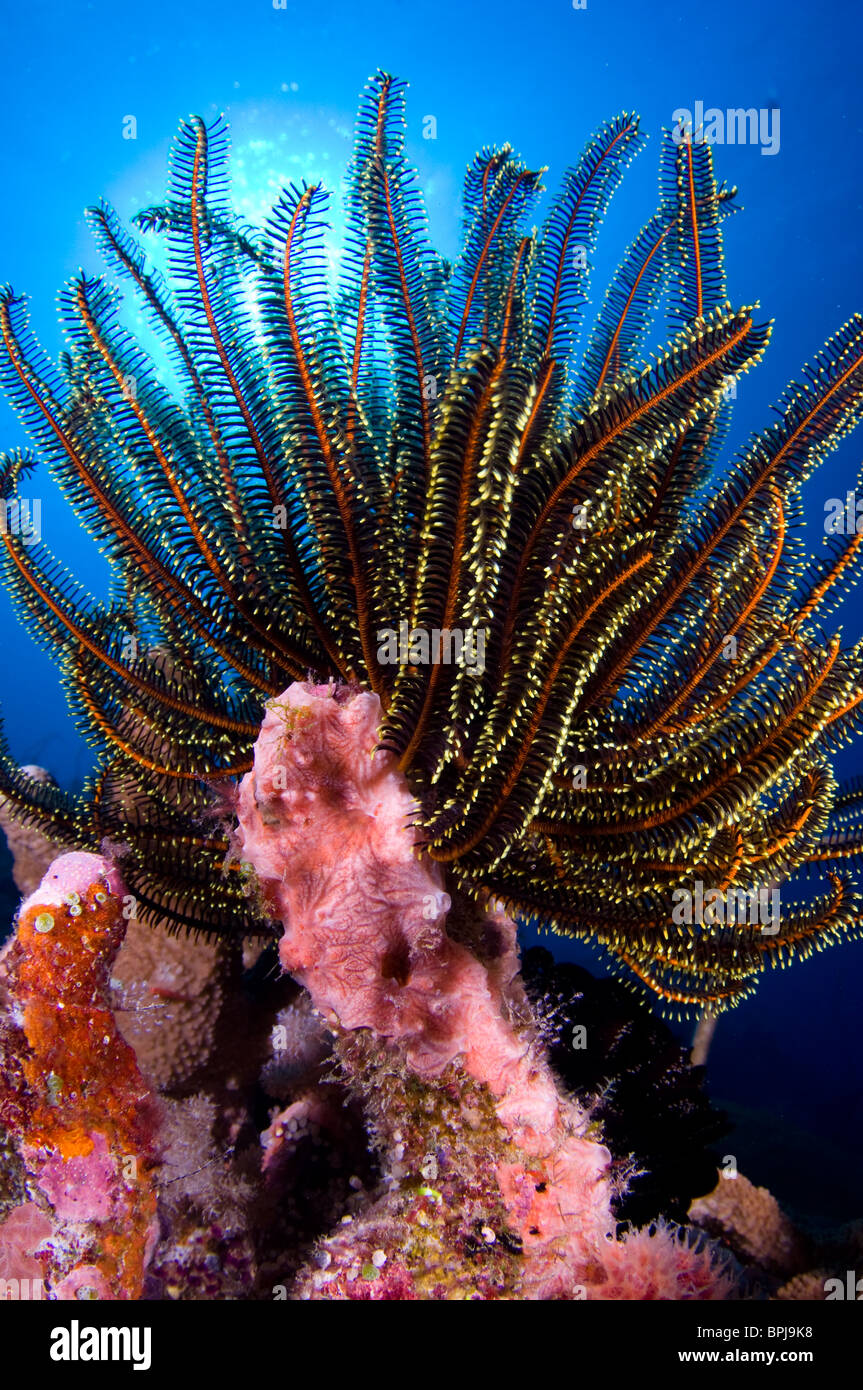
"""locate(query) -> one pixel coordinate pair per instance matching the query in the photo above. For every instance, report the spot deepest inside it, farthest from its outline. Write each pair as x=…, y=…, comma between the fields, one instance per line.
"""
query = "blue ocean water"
x=541, y=77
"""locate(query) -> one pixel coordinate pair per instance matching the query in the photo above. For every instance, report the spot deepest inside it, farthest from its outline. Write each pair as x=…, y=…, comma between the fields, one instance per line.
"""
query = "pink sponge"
x=327, y=821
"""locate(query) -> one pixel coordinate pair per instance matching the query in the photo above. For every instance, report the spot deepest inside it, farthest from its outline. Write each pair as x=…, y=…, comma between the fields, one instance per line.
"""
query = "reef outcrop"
x=492, y=1183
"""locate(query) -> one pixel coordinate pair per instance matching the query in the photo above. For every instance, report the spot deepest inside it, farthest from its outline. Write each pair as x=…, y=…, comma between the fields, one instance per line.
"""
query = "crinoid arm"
x=598, y=649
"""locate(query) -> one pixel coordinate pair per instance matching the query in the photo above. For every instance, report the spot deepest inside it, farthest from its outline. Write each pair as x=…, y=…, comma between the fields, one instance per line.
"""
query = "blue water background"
x=541, y=76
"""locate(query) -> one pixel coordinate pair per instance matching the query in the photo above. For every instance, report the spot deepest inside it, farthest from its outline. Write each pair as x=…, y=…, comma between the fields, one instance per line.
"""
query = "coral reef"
x=21, y=1233
x=421, y=1146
